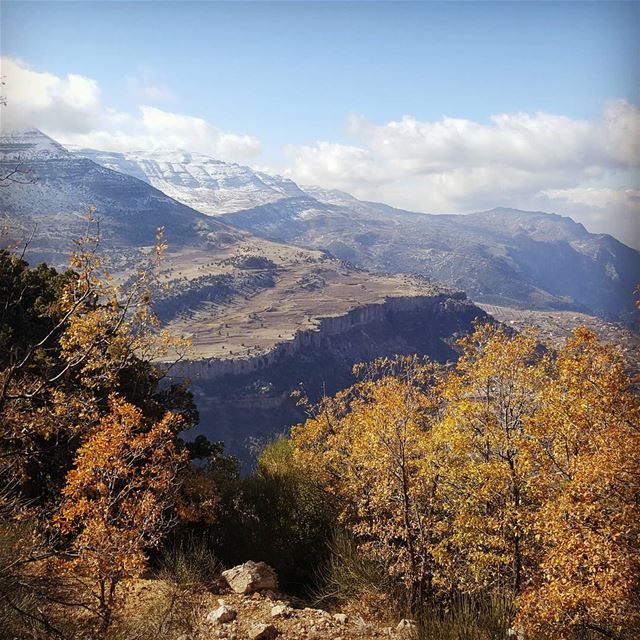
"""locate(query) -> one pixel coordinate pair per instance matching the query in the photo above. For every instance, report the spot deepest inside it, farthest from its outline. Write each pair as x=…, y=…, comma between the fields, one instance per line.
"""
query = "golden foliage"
x=121, y=495
x=588, y=438
x=485, y=469
x=98, y=337
x=370, y=446
x=517, y=471
x=80, y=400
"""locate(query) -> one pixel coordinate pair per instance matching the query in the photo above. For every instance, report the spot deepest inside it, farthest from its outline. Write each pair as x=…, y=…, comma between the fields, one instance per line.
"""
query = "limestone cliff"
x=247, y=398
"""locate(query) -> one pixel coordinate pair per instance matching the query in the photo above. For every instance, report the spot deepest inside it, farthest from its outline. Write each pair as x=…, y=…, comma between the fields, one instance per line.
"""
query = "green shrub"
x=348, y=573
x=348, y=576
x=277, y=515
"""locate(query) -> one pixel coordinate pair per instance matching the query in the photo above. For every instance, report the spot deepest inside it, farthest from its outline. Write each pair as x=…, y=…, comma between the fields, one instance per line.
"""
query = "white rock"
x=251, y=576
x=340, y=617
x=280, y=611
x=222, y=615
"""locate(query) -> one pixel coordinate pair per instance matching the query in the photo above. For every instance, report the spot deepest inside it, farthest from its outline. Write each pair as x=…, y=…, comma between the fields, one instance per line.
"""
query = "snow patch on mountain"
x=208, y=185
x=29, y=145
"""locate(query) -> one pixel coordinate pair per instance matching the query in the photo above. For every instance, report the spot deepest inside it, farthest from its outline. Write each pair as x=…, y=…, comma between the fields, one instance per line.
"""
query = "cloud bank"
x=589, y=170
x=545, y=161
x=71, y=110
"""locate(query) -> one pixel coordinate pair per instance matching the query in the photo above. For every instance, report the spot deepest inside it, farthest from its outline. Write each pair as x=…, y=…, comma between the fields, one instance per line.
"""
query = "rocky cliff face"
x=244, y=399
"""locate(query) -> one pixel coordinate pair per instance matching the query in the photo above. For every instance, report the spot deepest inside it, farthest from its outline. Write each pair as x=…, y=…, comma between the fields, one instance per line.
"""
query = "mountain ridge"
x=504, y=256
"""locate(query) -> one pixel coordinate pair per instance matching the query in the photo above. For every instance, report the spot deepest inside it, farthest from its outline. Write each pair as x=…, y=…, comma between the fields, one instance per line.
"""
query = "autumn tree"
x=68, y=343
x=121, y=497
x=370, y=446
x=514, y=473
x=587, y=445
x=483, y=440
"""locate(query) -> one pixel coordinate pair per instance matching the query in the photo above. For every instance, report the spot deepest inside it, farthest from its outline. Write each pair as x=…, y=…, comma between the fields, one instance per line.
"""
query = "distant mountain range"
x=503, y=256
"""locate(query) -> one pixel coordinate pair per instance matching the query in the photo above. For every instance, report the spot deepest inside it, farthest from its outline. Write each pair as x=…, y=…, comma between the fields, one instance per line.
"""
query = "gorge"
x=245, y=401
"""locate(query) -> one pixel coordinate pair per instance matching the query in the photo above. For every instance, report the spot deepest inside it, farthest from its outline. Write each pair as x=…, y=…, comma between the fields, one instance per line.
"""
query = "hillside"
x=248, y=304
x=503, y=256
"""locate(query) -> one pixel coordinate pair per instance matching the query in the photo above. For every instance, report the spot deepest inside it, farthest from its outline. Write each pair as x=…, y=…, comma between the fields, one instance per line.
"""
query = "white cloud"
x=48, y=100
x=154, y=128
x=520, y=160
x=71, y=110
x=596, y=197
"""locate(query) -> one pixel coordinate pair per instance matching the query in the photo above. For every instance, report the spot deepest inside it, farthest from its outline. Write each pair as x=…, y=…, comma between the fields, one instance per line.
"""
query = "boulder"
x=222, y=615
x=262, y=632
x=251, y=576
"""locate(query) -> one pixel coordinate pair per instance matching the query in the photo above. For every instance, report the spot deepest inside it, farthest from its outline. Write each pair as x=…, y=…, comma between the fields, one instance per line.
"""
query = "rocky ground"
x=242, y=604
x=268, y=614
x=253, y=609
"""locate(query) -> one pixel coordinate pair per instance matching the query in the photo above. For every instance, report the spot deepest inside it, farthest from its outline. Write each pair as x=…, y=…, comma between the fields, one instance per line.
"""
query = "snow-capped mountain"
x=208, y=185
x=55, y=188
x=28, y=145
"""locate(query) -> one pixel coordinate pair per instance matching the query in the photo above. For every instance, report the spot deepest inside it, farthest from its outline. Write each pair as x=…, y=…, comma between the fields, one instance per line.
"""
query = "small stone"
x=316, y=612
x=262, y=632
x=280, y=611
x=222, y=615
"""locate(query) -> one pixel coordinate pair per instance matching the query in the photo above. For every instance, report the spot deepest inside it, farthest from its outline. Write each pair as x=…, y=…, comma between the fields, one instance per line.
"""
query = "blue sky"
x=290, y=75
